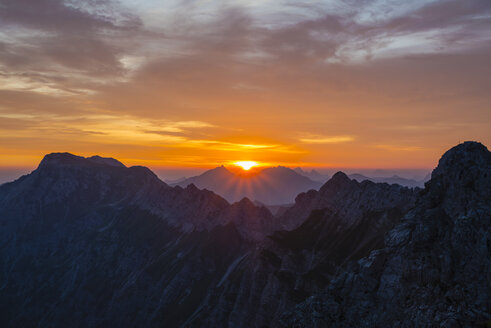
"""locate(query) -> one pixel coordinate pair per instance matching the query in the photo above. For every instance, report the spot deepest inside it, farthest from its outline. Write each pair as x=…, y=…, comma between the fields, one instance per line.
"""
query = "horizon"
x=9, y=174
x=195, y=85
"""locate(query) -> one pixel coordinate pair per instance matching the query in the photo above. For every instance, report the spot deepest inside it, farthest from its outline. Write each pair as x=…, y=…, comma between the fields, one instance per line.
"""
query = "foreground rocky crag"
x=435, y=268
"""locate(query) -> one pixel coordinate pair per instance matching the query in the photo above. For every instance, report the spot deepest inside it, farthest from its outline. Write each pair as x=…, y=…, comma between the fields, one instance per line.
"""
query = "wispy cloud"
x=240, y=147
x=399, y=148
x=319, y=139
x=104, y=128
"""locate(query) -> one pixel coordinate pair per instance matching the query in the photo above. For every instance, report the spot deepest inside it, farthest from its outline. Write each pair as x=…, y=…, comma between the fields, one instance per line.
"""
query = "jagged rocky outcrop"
x=349, y=199
x=250, y=220
x=435, y=268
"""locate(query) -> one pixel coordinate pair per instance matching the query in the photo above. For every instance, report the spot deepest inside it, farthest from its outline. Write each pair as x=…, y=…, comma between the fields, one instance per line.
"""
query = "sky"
x=195, y=84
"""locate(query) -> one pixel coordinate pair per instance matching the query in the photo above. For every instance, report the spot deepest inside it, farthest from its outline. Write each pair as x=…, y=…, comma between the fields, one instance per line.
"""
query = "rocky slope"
x=290, y=266
x=435, y=268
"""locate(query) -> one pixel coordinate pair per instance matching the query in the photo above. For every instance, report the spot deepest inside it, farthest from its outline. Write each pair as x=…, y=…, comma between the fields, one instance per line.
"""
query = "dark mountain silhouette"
x=86, y=242
x=271, y=186
x=435, y=266
x=395, y=179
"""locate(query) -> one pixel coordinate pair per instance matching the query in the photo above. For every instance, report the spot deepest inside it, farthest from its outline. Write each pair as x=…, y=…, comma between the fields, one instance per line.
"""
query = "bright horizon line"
x=309, y=166
x=210, y=165
x=228, y=164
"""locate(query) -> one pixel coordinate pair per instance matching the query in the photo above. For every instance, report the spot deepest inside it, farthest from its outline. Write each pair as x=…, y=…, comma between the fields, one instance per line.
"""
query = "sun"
x=246, y=165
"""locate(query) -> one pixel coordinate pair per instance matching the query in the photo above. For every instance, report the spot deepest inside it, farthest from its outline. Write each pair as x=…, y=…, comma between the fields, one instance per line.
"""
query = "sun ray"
x=246, y=165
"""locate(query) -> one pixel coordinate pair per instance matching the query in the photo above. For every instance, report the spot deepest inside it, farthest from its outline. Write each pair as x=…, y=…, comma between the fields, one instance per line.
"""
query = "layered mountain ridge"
x=395, y=179
x=90, y=242
x=435, y=266
x=349, y=197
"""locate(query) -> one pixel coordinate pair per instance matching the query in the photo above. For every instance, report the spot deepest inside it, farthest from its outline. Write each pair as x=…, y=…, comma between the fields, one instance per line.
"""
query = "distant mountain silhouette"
x=271, y=186
x=174, y=181
x=395, y=179
x=312, y=175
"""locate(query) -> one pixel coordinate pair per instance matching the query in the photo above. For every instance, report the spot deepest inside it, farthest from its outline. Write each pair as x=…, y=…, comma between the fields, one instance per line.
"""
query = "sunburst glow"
x=246, y=165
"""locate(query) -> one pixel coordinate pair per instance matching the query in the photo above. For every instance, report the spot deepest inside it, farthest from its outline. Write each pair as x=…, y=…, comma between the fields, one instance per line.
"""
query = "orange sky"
x=199, y=84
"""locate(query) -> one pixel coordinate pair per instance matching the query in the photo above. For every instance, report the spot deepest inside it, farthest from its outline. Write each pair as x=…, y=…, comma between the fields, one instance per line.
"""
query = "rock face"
x=90, y=242
x=349, y=198
x=435, y=268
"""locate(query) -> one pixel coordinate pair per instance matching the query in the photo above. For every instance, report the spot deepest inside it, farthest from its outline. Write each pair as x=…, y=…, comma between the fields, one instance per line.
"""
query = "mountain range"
x=91, y=242
x=312, y=174
x=395, y=179
x=273, y=185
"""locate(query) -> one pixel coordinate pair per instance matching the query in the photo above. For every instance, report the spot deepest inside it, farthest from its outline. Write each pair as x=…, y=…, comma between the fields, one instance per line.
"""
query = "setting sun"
x=246, y=165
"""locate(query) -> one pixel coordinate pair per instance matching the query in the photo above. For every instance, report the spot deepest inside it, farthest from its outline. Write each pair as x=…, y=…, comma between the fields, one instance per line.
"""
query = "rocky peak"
x=253, y=222
x=62, y=159
x=68, y=159
x=338, y=181
x=463, y=156
x=106, y=161
x=433, y=269
x=191, y=188
x=246, y=209
x=218, y=170
x=462, y=178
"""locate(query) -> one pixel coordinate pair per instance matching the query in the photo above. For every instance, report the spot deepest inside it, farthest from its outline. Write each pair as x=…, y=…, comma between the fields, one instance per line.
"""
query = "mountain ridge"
x=434, y=266
x=271, y=186
x=340, y=187
x=394, y=179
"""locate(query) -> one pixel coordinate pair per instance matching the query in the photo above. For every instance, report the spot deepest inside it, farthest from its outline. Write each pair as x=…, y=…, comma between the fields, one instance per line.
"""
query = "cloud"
x=399, y=148
x=240, y=147
x=64, y=43
x=318, y=139
x=186, y=74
